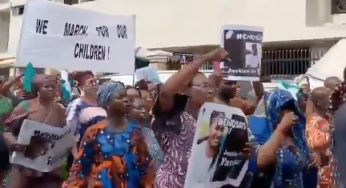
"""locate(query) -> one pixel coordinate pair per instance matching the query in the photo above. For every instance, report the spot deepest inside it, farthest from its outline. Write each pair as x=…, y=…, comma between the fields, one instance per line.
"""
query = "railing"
x=277, y=63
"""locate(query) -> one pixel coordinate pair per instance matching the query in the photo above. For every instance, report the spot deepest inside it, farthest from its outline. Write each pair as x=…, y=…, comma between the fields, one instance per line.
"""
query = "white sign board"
x=52, y=154
x=61, y=36
x=217, y=151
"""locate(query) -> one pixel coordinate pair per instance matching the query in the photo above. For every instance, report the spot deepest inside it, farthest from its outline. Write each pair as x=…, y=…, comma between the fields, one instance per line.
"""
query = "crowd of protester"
x=141, y=136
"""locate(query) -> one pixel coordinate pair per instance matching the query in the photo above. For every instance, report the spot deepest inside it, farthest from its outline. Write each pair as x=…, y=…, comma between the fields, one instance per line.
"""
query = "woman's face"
x=139, y=110
x=48, y=88
x=152, y=90
x=202, y=90
x=90, y=86
x=147, y=97
x=119, y=102
x=132, y=93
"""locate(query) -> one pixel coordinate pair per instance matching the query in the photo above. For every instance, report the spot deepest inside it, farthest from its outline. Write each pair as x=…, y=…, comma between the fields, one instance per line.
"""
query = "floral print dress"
x=318, y=138
x=109, y=159
x=176, y=147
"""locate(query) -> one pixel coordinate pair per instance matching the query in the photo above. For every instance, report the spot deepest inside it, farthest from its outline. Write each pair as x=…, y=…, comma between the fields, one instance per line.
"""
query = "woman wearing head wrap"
x=113, y=153
x=84, y=110
x=41, y=109
x=280, y=114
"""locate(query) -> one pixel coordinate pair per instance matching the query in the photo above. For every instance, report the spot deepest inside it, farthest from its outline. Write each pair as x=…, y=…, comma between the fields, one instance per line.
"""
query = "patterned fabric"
x=337, y=101
x=5, y=110
x=176, y=148
x=109, y=159
x=106, y=90
x=292, y=161
x=86, y=114
x=153, y=146
x=318, y=139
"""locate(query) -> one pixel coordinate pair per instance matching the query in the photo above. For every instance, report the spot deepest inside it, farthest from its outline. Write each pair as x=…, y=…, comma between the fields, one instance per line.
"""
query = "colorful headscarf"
x=106, y=90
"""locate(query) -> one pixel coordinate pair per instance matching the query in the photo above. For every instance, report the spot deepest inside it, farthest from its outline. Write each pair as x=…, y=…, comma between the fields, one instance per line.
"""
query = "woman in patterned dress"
x=173, y=126
x=113, y=153
x=84, y=110
x=41, y=109
x=140, y=114
x=318, y=134
x=283, y=124
x=336, y=118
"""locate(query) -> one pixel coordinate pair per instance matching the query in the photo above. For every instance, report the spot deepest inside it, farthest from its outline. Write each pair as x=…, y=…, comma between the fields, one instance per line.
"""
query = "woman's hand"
x=316, y=160
x=287, y=122
x=18, y=148
x=247, y=151
x=218, y=55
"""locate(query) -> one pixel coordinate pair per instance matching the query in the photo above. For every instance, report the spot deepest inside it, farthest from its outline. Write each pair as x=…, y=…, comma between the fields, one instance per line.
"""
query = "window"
x=18, y=10
x=71, y=2
x=338, y=6
x=283, y=62
x=181, y=59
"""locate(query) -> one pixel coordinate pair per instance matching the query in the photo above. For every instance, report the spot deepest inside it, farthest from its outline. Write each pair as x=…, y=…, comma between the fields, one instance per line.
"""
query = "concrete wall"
x=190, y=23
x=4, y=30
x=195, y=22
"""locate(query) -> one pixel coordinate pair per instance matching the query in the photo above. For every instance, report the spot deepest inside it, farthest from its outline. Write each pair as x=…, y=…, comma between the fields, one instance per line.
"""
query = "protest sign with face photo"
x=217, y=158
x=244, y=47
x=59, y=36
x=49, y=146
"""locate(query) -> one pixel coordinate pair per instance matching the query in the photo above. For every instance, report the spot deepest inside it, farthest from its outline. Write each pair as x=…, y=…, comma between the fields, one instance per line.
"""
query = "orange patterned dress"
x=318, y=139
x=109, y=159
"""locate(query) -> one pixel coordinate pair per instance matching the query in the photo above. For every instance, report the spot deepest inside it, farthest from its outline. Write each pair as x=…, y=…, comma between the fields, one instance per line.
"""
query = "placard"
x=217, y=158
x=244, y=47
x=61, y=36
x=148, y=74
x=53, y=153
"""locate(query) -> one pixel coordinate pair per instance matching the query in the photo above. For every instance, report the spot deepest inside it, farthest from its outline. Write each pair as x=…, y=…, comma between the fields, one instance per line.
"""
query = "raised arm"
x=178, y=81
x=5, y=89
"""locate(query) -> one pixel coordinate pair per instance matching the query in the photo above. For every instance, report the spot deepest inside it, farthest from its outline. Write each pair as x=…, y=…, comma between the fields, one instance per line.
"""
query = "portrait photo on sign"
x=217, y=159
x=244, y=47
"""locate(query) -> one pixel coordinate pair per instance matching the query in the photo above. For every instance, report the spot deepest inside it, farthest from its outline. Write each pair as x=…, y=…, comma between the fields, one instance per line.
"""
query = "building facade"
x=11, y=15
x=297, y=32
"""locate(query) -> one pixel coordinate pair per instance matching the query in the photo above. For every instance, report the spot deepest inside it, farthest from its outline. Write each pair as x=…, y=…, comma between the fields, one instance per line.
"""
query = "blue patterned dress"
x=153, y=146
x=85, y=114
x=292, y=161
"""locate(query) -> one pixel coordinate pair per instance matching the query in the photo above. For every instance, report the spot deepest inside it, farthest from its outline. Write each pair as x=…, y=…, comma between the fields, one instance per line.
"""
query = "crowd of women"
x=141, y=136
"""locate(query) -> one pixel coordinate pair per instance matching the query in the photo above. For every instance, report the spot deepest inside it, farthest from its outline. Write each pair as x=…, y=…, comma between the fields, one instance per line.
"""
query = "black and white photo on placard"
x=244, y=47
x=217, y=159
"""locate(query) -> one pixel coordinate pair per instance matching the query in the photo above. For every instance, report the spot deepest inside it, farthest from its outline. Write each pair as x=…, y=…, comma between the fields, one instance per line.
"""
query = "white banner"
x=61, y=36
x=217, y=151
x=53, y=153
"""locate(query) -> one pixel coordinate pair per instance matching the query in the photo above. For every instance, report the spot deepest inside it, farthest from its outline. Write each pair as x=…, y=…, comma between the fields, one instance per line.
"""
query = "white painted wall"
x=194, y=22
x=4, y=30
